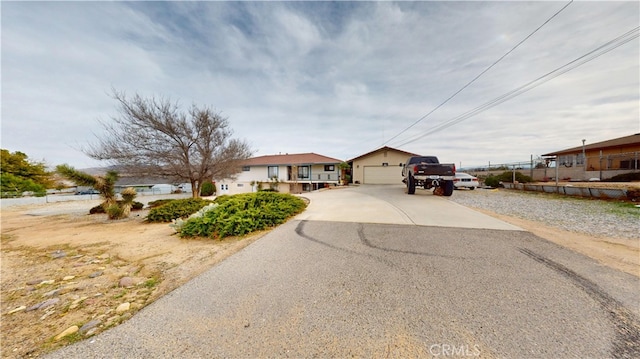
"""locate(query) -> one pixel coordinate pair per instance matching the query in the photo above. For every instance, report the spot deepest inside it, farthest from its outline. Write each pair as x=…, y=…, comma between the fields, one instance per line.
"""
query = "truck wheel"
x=411, y=185
x=448, y=188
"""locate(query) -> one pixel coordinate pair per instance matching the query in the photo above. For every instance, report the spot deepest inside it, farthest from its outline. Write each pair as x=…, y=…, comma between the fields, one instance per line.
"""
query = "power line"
x=591, y=55
x=479, y=75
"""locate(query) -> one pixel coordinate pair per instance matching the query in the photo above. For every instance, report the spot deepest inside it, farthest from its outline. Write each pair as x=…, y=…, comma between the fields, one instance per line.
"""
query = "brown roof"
x=616, y=142
x=387, y=148
x=290, y=159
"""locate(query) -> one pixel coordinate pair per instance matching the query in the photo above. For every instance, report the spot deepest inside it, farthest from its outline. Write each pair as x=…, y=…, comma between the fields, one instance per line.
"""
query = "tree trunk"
x=195, y=189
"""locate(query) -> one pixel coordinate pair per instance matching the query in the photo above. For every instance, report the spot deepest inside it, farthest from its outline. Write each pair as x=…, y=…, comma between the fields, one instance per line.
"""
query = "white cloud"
x=332, y=78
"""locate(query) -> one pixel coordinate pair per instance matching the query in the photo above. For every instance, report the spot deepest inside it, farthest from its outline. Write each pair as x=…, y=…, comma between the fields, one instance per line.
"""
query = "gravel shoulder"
x=603, y=230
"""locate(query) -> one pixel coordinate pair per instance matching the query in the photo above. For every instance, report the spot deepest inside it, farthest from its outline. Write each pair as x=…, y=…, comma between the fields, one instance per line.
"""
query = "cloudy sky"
x=336, y=78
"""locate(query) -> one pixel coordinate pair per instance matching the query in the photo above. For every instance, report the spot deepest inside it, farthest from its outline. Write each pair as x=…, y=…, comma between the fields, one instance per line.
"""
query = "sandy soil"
x=59, y=252
x=64, y=271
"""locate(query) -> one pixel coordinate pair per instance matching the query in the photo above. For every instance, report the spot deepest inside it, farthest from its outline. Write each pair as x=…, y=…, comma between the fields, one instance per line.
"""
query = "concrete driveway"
x=389, y=204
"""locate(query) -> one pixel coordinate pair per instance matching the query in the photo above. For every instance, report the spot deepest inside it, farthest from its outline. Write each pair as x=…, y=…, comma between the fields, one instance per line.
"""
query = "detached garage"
x=382, y=174
x=382, y=166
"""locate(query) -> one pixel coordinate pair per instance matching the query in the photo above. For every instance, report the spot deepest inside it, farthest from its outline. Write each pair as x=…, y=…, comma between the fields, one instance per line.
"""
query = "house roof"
x=616, y=142
x=385, y=148
x=290, y=159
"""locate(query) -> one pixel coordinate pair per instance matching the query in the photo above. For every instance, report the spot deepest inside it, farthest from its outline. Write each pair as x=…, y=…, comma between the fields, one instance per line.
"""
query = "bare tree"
x=154, y=137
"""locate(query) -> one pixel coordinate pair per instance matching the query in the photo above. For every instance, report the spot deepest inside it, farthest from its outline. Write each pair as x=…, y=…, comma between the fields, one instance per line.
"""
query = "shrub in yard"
x=136, y=206
x=492, y=181
x=159, y=202
x=115, y=211
x=208, y=189
x=243, y=213
x=179, y=208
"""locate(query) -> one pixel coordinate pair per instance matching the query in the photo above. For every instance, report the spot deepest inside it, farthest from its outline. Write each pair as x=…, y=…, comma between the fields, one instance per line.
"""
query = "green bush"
x=179, y=208
x=159, y=202
x=115, y=211
x=507, y=176
x=243, y=213
x=136, y=206
x=207, y=189
x=492, y=181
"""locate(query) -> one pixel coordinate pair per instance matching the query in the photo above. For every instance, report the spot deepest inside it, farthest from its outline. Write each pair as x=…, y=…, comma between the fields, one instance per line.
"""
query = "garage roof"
x=290, y=159
x=385, y=148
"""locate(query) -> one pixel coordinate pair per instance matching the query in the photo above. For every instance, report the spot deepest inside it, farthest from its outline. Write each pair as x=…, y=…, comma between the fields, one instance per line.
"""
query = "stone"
x=71, y=330
x=88, y=326
x=69, y=277
x=42, y=305
x=126, y=282
x=19, y=309
x=58, y=254
x=95, y=274
x=46, y=282
x=52, y=293
x=35, y=281
x=123, y=308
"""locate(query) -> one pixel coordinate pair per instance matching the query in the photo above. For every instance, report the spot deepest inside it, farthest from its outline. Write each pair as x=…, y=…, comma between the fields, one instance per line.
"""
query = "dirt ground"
x=64, y=269
x=67, y=275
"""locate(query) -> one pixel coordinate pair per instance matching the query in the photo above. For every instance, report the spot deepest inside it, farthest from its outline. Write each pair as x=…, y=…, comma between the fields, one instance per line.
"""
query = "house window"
x=385, y=164
x=303, y=172
x=240, y=184
x=329, y=168
x=272, y=171
x=246, y=168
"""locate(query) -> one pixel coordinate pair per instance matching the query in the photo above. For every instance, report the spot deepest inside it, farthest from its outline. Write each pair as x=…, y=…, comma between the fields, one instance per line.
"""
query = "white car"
x=465, y=180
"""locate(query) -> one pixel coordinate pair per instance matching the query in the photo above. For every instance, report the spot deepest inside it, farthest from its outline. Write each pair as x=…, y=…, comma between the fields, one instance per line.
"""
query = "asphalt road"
x=372, y=272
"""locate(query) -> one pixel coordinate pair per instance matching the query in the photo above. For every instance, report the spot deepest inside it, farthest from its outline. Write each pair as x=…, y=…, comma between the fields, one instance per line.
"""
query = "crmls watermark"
x=452, y=350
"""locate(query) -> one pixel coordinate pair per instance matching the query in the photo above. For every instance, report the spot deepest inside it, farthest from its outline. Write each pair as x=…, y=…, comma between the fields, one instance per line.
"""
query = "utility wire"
x=591, y=55
x=479, y=75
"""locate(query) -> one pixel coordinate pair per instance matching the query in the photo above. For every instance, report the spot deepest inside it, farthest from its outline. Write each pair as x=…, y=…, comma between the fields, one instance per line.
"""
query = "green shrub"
x=243, y=213
x=159, y=202
x=492, y=181
x=207, y=189
x=136, y=206
x=179, y=208
x=115, y=211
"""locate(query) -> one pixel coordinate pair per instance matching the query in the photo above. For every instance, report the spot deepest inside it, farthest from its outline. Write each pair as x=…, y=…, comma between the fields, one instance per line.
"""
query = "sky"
x=336, y=78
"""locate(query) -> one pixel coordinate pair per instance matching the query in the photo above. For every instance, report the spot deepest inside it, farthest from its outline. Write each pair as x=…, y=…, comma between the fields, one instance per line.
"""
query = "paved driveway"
x=333, y=284
x=390, y=204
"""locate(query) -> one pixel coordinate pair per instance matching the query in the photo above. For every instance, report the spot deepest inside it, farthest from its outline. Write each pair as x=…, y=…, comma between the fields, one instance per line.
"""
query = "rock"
x=42, y=305
x=58, y=254
x=71, y=330
x=123, y=308
x=69, y=277
x=46, y=282
x=91, y=332
x=35, y=281
x=19, y=309
x=95, y=274
x=88, y=326
x=52, y=293
x=126, y=282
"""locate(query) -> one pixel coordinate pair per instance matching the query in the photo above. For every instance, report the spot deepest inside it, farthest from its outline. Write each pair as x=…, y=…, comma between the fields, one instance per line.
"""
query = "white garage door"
x=382, y=175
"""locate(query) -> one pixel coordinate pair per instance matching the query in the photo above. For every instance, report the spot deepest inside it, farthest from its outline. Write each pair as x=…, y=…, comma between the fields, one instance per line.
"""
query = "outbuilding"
x=382, y=166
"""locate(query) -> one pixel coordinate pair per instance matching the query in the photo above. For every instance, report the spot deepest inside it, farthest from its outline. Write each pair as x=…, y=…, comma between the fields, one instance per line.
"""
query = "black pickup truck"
x=428, y=172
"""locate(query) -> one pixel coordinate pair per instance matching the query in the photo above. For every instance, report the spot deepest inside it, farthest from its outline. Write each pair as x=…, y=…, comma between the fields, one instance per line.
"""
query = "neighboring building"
x=288, y=173
x=599, y=160
x=382, y=166
x=151, y=185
